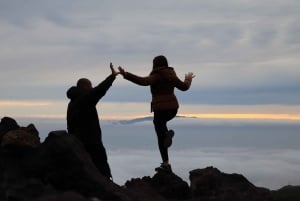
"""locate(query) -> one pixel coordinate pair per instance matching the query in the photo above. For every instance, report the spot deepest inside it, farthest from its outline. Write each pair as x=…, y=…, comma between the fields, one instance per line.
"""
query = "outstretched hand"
x=189, y=76
x=121, y=70
x=113, y=71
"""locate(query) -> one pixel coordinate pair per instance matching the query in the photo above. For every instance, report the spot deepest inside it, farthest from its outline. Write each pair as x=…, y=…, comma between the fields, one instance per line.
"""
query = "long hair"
x=160, y=61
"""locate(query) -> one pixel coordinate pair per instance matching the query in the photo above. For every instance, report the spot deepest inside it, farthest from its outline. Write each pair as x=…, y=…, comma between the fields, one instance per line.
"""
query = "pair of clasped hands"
x=188, y=76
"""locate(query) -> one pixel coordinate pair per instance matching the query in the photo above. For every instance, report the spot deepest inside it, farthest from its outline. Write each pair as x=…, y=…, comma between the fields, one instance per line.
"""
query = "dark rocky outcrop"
x=287, y=193
x=7, y=124
x=162, y=186
x=60, y=169
x=60, y=164
x=212, y=184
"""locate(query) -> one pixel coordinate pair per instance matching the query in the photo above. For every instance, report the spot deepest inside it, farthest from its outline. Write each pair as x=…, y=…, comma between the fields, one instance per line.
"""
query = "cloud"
x=233, y=47
x=272, y=169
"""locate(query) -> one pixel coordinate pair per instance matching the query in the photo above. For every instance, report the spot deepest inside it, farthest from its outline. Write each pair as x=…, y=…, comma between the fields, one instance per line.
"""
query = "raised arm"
x=100, y=90
x=143, y=81
x=183, y=85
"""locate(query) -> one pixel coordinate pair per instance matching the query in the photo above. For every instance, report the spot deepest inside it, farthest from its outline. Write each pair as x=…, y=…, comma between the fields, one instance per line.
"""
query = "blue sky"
x=245, y=54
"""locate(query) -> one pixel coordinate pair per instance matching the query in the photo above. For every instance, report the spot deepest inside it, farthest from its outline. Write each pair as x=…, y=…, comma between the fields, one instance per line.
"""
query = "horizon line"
x=237, y=116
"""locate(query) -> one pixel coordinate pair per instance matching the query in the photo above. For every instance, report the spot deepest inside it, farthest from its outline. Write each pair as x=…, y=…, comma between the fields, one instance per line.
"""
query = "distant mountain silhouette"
x=136, y=120
x=145, y=119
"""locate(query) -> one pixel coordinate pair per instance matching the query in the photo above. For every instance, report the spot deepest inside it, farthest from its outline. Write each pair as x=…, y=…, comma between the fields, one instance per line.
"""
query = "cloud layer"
x=266, y=152
x=271, y=169
x=241, y=51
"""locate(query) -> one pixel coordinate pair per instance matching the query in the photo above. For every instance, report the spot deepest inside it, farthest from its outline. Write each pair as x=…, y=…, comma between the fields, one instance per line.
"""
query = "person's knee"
x=157, y=125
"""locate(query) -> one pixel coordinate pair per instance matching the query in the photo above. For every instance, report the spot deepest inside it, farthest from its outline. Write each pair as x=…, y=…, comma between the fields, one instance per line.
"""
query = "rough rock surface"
x=58, y=165
x=22, y=137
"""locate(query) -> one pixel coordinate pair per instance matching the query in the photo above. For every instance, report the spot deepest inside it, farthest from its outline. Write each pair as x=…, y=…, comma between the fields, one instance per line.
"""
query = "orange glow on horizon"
x=245, y=116
x=115, y=111
x=14, y=103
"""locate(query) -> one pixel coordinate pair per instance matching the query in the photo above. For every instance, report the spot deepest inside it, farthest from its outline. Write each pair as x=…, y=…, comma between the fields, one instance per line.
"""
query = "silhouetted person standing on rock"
x=83, y=121
x=162, y=81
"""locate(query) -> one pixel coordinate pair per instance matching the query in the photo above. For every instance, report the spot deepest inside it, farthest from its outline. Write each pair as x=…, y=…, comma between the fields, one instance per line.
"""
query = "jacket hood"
x=73, y=92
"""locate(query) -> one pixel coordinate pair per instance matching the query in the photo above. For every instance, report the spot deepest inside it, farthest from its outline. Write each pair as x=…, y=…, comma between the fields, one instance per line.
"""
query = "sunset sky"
x=245, y=55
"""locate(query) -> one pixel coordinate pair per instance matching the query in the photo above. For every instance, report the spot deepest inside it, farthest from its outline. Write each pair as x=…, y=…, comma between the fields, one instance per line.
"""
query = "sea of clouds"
x=265, y=152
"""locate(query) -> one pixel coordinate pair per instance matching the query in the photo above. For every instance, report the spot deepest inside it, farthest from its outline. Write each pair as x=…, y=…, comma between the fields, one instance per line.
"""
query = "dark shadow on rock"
x=287, y=193
x=59, y=164
x=163, y=185
x=141, y=189
x=63, y=162
x=65, y=196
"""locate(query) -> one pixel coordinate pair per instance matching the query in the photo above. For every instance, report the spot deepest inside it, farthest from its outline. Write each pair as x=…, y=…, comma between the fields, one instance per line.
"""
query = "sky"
x=245, y=55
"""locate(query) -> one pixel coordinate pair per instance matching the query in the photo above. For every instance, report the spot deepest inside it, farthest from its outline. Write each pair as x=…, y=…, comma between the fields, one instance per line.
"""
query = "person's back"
x=164, y=84
x=162, y=88
x=82, y=117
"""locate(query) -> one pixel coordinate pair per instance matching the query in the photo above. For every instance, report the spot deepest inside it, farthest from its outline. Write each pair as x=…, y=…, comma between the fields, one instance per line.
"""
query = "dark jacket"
x=162, y=82
x=82, y=115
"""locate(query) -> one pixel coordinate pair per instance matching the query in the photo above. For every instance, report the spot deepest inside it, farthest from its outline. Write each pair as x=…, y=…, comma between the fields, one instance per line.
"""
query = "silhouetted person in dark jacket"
x=83, y=121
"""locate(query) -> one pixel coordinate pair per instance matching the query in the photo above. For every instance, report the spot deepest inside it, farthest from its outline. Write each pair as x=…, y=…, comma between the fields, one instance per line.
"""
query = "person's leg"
x=160, y=123
x=170, y=133
x=99, y=157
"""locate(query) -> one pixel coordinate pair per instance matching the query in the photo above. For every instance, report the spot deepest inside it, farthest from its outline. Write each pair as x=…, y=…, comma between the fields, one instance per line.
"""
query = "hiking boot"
x=168, y=140
x=164, y=168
